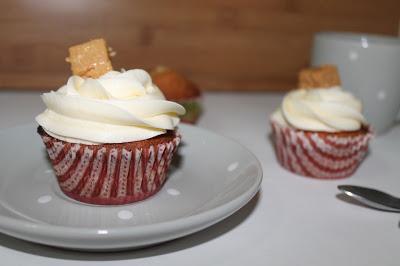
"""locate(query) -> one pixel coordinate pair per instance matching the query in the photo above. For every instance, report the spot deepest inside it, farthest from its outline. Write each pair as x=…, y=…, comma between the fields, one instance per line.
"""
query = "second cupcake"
x=319, y=130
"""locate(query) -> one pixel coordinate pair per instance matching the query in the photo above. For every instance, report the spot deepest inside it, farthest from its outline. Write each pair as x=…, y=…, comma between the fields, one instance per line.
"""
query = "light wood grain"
x=221, y=45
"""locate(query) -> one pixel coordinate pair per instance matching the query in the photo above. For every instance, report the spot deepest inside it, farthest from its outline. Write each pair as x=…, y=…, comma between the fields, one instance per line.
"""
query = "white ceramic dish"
x=211, y=178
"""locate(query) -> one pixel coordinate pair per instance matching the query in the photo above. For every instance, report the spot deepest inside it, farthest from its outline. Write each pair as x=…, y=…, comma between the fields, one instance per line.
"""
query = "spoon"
x=371, y=197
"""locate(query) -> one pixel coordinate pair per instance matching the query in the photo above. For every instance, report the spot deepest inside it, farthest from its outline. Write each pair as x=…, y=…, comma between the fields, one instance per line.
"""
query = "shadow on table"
x=192, y=240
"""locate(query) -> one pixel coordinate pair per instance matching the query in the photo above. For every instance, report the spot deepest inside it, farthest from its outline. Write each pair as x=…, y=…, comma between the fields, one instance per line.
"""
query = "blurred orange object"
x=179, y=89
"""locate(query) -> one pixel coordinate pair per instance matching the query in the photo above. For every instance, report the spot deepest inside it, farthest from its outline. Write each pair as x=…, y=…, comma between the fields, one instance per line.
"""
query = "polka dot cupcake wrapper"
x=103, y=175
x=323, y=156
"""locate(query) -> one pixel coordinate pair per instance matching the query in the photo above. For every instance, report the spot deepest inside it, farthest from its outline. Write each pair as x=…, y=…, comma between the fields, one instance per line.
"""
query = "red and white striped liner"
x=108, y=175
x=319, y=155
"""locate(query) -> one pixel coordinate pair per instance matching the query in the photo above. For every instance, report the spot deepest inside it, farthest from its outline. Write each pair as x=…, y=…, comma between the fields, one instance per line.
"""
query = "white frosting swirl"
x=324, y=109
x=117, y=107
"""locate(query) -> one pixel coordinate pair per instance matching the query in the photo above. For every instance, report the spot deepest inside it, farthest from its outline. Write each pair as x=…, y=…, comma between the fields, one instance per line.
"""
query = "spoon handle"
x=372, y=197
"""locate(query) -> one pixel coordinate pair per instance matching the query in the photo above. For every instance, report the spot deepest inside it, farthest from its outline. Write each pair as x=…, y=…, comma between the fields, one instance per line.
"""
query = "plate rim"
x=25, y=229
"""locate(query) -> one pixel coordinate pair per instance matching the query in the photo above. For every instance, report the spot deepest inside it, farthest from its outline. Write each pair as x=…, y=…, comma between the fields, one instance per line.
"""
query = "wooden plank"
x=345, y=8
x=222, y=45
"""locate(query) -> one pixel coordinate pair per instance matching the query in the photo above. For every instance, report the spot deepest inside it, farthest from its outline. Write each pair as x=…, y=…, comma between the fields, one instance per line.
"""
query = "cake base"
x=111, y=174
x=320, y=154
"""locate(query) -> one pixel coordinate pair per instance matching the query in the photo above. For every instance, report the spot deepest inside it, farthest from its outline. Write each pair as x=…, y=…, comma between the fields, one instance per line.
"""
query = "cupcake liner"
x=319, y=155
x=108, y=174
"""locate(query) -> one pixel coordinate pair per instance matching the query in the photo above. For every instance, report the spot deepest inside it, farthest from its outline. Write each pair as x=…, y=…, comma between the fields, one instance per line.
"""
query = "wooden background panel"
x=221, y=45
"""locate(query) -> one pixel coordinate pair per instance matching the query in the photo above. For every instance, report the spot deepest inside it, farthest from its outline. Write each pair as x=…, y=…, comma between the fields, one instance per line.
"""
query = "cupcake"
x=181, y=90
x=110, y=135
x=319, y=130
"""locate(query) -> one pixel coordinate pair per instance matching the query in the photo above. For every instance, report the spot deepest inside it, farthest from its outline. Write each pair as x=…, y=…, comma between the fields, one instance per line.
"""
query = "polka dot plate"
x=211, y=177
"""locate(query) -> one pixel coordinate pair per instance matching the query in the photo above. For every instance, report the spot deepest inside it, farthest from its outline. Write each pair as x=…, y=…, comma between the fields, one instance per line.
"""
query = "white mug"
x=369, y=67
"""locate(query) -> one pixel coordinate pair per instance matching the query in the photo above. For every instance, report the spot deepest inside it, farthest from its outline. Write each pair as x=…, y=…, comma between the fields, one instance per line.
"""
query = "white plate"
x=211, y=178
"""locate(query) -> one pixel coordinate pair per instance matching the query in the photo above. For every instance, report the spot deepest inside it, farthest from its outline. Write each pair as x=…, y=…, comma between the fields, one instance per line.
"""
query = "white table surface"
x=292, y=221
